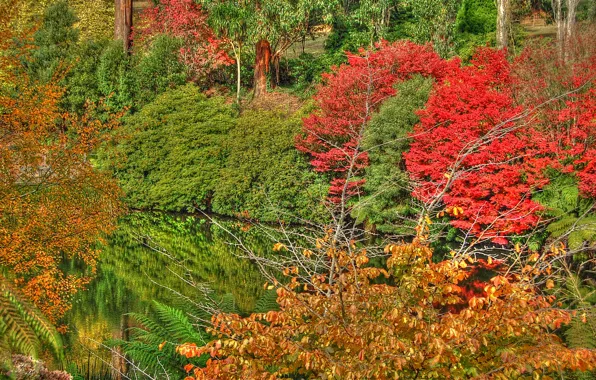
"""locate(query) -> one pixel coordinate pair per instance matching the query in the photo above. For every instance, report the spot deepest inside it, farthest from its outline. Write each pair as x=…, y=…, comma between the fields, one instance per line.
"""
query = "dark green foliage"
x=574, y=221
x=23, y=328
x=54, y=42
x=304, y=72
x=388, y=201
x=476, y=25
x=264, y=174
x=477, y=17
x=173, y=150
x=158, y=69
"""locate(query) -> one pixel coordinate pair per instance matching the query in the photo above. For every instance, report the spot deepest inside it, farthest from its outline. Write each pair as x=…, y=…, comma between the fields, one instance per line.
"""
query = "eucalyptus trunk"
x=557, y=6
x=262, y=61
x=570, y=26
x=503, y=14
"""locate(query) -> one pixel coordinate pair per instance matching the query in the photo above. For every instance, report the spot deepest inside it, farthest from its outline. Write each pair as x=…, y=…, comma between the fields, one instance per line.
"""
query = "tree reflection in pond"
x=144, y=261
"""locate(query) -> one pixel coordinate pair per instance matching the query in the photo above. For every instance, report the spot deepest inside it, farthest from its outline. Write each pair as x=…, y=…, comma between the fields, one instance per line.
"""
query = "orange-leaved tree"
x=54, y=205
x=396, y=322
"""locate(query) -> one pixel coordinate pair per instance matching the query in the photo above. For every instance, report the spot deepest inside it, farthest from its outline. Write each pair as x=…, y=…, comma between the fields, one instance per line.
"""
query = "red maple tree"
x=347, y=99
x=488, y=135
x=202, y=52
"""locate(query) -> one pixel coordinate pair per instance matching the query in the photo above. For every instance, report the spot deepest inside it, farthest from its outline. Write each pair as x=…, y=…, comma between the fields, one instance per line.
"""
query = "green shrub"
x=114, y=79
x=158, y=69
x=388, y=197
x=477, y=17
x=173, y=150
x=264, y=174
x=82, y=83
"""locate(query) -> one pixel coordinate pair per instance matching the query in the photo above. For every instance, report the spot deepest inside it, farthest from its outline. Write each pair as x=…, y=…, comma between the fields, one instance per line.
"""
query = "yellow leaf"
x=550, y=284
x=279, y=247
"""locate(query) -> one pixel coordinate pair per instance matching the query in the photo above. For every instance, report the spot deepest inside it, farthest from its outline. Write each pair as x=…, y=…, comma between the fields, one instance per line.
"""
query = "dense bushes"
x=264, y=175
x=174, y=150
x=184, y=150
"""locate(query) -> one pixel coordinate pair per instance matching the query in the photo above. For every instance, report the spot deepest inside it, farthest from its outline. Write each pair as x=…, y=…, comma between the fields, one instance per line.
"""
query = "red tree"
x=487, y=137
x=201, y=52
x=347, y=99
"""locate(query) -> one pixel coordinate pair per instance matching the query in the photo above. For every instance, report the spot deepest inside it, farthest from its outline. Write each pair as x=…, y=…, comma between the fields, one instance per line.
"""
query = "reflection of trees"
x=150, y=251
x=141, y=263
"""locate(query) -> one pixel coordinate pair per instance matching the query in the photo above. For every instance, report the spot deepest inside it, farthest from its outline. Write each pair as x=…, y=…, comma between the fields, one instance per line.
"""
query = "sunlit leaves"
x=359, y=327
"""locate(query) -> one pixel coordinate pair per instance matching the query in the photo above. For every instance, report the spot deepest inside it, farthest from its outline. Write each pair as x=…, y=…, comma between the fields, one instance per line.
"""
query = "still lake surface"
x=146, y=260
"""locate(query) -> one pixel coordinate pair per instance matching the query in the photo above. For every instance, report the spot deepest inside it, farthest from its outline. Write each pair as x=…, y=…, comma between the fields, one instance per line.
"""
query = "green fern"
x=267, y=302
x=574, y=221
x=23, y=328
x=165, y=324
x=227, y=304
x=581, y=295
x=581, y=332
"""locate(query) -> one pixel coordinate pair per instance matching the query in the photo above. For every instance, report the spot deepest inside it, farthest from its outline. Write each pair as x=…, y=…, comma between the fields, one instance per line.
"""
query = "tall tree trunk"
x=262, y=60
x=557, y=6
x=570, y=26
x=123, y=22
x=503, y=13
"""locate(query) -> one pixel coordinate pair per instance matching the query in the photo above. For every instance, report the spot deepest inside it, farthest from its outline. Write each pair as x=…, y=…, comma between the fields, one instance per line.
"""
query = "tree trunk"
x=123, y=22
x=262, y=60
x=557, y=6
x=275, y=82
x=570, y=26
x=238, y=67
x=503, y=12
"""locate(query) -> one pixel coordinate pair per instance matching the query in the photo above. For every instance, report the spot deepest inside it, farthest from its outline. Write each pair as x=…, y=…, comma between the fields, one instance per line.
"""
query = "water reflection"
x=145, y=260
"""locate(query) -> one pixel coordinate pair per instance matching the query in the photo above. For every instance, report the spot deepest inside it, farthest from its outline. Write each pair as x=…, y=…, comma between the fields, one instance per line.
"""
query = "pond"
x=147, y=259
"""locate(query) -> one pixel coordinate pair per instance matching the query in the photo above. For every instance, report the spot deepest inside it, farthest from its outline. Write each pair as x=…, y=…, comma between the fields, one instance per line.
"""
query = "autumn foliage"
x=396, y=323
x=346, y=101
x=54, y=204
x=490, y=136
x=201, y=51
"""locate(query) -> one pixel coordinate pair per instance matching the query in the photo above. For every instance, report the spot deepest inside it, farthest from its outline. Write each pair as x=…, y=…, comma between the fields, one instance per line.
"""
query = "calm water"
x=141, y=263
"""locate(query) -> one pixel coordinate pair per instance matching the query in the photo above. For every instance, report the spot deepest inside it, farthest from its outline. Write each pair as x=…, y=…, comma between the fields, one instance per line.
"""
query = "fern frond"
x=267, y=302
x=23, y=327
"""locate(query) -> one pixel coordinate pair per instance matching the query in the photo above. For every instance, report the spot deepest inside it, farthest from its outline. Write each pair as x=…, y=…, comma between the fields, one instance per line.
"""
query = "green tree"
x=435, y=21
x=387, y=204
x=54, y=42
x=158, y=70
x=270, y=25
